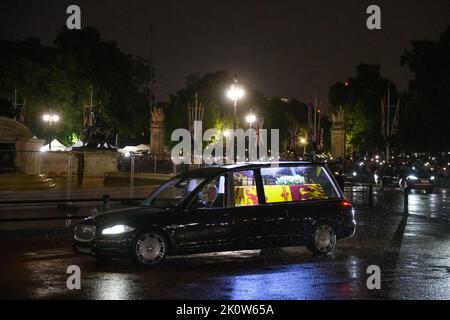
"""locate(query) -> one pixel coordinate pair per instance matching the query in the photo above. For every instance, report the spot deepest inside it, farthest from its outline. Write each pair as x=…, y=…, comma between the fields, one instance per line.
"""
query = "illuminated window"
x=245, y=193
x=301, y=183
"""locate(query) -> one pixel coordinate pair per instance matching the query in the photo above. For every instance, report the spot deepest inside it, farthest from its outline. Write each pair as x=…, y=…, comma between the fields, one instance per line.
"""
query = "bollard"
x=69, y=180
x=405, y=201
x=154, y=164
x=370, y=196
x=132, y=176
x=106, y=200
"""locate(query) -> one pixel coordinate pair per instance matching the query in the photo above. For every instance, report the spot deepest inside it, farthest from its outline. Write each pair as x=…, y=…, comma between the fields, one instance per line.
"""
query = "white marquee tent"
x=134, y=149
x=77, y=144
x=56, y=146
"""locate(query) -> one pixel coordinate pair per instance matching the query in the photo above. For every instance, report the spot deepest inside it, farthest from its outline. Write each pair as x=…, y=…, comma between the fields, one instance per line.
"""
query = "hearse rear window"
x=299, y=183
x=245, y=193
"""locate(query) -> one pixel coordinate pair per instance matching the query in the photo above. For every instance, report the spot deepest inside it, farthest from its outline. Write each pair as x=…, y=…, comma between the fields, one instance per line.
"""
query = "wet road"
x=413, y=253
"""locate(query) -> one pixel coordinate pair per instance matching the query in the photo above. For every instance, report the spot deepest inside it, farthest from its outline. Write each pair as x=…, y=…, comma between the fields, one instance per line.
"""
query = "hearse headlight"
x=117, y=229
x=411, y=177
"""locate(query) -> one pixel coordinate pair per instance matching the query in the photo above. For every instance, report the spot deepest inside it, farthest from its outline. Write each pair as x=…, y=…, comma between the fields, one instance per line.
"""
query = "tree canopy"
x=211, y=91
x=426, y=113
x=360, y=97
x=59, y=79
x=424, y=108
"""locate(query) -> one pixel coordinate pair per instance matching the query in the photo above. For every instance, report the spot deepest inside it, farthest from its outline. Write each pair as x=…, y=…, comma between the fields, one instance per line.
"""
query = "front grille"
x=84, y=233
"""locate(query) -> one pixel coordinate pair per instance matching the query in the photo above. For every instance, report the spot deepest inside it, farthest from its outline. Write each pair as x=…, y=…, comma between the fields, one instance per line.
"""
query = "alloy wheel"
x=324, y=238
x=150, y=248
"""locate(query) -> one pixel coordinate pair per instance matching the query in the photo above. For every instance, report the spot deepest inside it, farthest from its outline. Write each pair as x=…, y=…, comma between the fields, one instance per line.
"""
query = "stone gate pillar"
x=338, y=134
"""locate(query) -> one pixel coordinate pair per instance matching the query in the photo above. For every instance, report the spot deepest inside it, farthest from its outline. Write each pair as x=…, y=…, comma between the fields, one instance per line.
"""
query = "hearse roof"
x=215, y=170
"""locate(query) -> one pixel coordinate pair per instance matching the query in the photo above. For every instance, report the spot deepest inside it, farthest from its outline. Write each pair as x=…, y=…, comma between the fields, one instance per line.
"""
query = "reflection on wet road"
x=412, y=251
x=434, y=205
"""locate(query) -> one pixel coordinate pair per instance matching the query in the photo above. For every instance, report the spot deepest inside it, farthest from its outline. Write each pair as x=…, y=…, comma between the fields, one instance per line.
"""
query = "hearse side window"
x=212, y=194
x=172, y=193
x=244, y=186
x=299, y=183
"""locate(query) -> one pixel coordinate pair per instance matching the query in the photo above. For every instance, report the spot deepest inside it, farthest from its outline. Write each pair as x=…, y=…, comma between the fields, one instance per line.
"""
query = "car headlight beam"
x=411, y=177
x=117, y=229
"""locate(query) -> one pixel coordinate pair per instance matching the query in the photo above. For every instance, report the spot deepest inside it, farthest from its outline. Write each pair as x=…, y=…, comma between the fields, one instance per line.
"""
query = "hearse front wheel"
x=149, y=248
x=322, y=239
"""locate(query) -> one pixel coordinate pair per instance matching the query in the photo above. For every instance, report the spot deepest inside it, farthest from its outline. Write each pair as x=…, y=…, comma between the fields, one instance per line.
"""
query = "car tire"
x=322, y=239
x=149, y=248
x=379, y=185
x=403, y=184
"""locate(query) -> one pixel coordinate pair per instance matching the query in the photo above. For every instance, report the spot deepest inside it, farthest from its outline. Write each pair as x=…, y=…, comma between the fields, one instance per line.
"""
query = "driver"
x=212, y=194
x=211, y=197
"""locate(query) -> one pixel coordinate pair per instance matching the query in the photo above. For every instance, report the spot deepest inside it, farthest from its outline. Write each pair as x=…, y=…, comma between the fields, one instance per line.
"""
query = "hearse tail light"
x=345, y=203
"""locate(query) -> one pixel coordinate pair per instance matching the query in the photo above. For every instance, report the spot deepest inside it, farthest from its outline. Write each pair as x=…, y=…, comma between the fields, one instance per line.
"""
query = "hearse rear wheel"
x=149, y=248
x=322, y=239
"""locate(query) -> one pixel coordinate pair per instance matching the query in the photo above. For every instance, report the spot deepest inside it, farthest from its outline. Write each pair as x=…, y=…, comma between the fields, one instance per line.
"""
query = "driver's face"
x=212, y=194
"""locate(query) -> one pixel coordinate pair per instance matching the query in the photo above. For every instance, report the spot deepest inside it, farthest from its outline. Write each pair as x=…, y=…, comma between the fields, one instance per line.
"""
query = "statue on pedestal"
x=157, y=131
x=95, y=134
x=96, y=131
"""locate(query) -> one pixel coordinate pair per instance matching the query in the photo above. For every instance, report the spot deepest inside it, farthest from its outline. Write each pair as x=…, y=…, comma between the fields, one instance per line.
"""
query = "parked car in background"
x=387, y=176
x=358, y=174
x=405, y=178
x=418, y=180
x=221, y=208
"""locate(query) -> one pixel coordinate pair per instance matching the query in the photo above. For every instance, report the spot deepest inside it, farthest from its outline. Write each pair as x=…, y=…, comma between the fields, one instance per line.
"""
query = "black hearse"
x=221, y=208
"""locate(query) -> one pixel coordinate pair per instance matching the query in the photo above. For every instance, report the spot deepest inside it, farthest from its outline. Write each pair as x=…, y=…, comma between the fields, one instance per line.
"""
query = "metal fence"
x=148, y=163
x=73, y=170
x=60, y=178
x=53, y=186
x=364, y=195
x=66, y=210
x=360, y=194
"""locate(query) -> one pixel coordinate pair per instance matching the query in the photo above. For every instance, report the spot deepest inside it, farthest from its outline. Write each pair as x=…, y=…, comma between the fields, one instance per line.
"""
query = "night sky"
x=283, y=48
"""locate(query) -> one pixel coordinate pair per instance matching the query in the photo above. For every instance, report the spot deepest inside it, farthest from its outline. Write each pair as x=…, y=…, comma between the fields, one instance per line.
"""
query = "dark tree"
x=360, y=96
x=426, y=114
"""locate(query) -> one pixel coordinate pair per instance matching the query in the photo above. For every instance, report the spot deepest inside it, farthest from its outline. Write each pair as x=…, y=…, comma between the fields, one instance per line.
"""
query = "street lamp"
x=235, y=93
x=227, y=133
x=303, y=142
x=250, y=118
x=50, y=118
